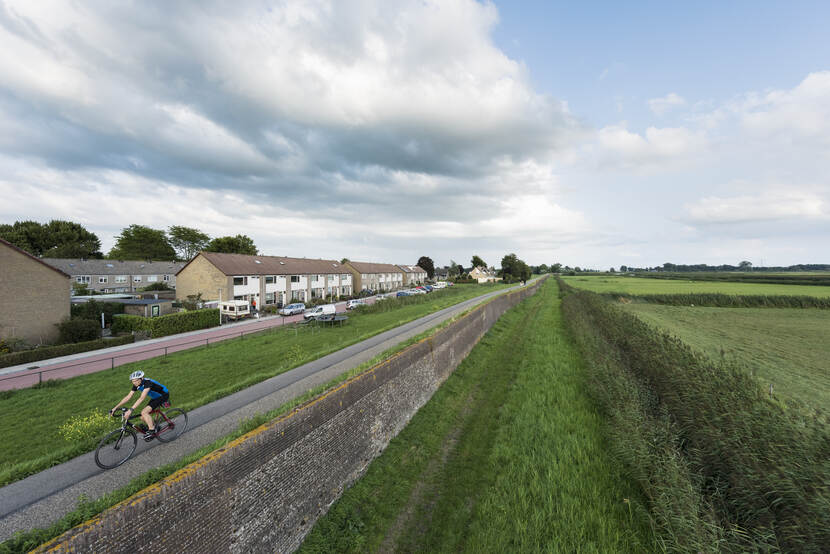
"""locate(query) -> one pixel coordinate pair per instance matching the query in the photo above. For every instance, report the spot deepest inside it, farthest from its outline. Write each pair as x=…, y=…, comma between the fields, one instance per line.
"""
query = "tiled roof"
x=412, y=269
x=77, y=266
x=366, y=267
x=243, y=264
x=38, y=260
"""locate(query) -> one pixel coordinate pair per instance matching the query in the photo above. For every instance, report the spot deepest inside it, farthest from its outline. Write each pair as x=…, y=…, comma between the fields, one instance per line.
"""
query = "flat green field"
x=507, y=456
x=789, y=348
x=644, y=285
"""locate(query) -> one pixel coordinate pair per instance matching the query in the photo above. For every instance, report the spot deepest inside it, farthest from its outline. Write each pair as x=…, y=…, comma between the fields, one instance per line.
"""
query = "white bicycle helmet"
x=136, y=375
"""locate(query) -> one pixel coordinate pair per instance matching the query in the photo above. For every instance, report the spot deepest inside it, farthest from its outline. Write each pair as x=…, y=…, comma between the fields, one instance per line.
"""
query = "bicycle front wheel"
x=172, y=424
x=116, y=448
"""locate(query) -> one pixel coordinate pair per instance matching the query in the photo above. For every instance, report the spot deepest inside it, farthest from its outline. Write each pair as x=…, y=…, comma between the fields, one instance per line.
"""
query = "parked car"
x=352, y=304
x=317, y=311
x=403, y=293
x=381, y=297
x=429, y=288
x=417, y=291
x=292, y=309
x=234, y=309
x=440, y=285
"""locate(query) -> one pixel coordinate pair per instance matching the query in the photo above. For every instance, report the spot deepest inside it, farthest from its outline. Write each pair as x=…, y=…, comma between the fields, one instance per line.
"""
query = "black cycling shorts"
x=159, y=400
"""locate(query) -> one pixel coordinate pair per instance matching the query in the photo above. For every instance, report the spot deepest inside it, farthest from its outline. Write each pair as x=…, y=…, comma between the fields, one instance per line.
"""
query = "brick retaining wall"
x=264, y=491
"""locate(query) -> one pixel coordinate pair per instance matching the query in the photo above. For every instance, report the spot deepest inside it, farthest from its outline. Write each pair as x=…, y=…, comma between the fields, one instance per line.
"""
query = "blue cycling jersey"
x=155, y=389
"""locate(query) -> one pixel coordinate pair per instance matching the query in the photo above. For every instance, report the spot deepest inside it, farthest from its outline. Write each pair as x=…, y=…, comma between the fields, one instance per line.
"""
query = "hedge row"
x=809, y=279
x=170, y=324
x=93, y=310
x=718, y=459
x=727, y=300
x=46, y=352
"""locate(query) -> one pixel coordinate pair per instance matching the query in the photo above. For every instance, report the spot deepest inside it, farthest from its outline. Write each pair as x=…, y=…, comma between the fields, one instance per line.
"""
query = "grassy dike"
x=507, y=456
x=195, y=377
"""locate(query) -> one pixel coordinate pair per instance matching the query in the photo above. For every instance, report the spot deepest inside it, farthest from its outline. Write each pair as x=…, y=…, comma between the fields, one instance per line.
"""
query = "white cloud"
x=618, y=147
x=769, y=206
x=662, y=105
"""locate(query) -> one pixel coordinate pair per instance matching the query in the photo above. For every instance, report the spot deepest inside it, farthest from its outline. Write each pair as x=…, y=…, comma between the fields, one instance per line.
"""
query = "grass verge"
x=507, y=456
x=195, y=377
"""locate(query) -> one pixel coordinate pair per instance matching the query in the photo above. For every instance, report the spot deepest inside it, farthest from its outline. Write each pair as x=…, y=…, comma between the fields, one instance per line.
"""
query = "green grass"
x=86, y=509
x=789, y=348
x=507, y=456
x=643, y=285
x=31, y=417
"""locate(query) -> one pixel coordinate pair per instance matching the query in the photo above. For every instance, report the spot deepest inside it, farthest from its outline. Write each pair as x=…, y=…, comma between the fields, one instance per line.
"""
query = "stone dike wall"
x=264, y=491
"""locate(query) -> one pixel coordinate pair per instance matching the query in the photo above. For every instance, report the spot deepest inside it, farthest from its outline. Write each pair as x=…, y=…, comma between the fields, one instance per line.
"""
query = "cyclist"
x=158, y=394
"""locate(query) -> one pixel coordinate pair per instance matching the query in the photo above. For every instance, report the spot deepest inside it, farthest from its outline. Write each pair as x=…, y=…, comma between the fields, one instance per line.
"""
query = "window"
x=103, y=279
x=120, y=279
x=295, y=278
x=136, y=278
x=314, y=278
x=269, y=298
x=166, y=277
x=152, y=278
x=155, y=310
x=82, y=279
x=270, y=280
x=240, y=280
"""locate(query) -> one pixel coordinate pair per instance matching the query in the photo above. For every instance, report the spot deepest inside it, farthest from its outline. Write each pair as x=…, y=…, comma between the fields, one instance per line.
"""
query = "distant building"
x=484, y=275
x=376, y=277
x=34, y=296
x=113, y=276
x=267, y=280
x=413, y=275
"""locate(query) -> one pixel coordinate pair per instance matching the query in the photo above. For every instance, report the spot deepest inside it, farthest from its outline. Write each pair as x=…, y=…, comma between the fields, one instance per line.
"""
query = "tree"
x=745, y=265
x=514, y=269
x=544, y=269
x=65, y=239
x=239, y=244
x=425, y=263
x=623, y=269
x=187, y=241
x=56, y=239
x=344, y=261
x=138, y=242
x=555, y=268
x=612, y=270
x=455, y=269
x=478, y=262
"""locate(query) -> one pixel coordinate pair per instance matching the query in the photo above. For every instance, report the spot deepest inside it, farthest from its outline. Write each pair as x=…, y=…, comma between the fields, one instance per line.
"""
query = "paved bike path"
x=45, y=497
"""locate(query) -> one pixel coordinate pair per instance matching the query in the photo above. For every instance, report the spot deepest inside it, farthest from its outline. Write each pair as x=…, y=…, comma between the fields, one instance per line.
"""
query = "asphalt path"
x=43, y=498
x=65, y=367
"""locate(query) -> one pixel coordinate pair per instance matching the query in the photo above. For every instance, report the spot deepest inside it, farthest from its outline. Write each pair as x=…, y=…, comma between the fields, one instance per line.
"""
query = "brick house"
x=377, y=277
x=113, y=276
x=269, y=280
x=34, y=296
x=413, y=275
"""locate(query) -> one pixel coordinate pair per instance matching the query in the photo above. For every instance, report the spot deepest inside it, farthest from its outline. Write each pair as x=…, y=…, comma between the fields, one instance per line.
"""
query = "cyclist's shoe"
x=149, y=435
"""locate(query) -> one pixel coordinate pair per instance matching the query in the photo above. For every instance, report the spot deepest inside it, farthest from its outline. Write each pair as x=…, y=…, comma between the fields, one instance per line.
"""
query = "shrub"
x=727, y=300
x=46, y=352
x=78, y=330
x=160, y=285
x=93, y=310
x=170, y=324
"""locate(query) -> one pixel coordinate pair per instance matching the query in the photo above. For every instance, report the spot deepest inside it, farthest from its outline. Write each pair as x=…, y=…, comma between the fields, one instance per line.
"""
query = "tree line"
x=67, y=239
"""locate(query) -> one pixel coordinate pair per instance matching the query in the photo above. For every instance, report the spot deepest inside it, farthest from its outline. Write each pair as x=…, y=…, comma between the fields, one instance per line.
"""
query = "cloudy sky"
x=588, y=133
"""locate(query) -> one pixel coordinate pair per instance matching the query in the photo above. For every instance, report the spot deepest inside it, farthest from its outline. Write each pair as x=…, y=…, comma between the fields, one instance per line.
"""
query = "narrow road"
x=43, y=498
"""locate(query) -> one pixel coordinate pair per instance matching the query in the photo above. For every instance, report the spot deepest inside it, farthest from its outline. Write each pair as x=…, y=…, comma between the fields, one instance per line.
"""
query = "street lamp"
x=220, y=306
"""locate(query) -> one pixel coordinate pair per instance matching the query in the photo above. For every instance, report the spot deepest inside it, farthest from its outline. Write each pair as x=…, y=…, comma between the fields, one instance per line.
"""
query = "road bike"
x=119, y=445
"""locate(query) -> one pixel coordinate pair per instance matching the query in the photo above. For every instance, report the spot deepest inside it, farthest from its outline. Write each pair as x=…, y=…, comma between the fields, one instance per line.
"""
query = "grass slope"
x=643, y=285
x=507, y=456
x=786, y=347
x=195, y=377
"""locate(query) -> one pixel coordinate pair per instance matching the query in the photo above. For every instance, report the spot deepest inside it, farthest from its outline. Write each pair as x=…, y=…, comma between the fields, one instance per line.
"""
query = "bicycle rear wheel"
x=174, y=423
x=116, y=448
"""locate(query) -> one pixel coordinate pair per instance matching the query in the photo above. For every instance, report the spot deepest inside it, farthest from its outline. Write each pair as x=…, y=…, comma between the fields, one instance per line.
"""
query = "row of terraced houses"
x=274, y=280
x=35, y=292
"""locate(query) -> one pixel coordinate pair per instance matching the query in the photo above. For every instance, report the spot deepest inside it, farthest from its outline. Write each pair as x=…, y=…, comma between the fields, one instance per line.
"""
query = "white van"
x=317, y=311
